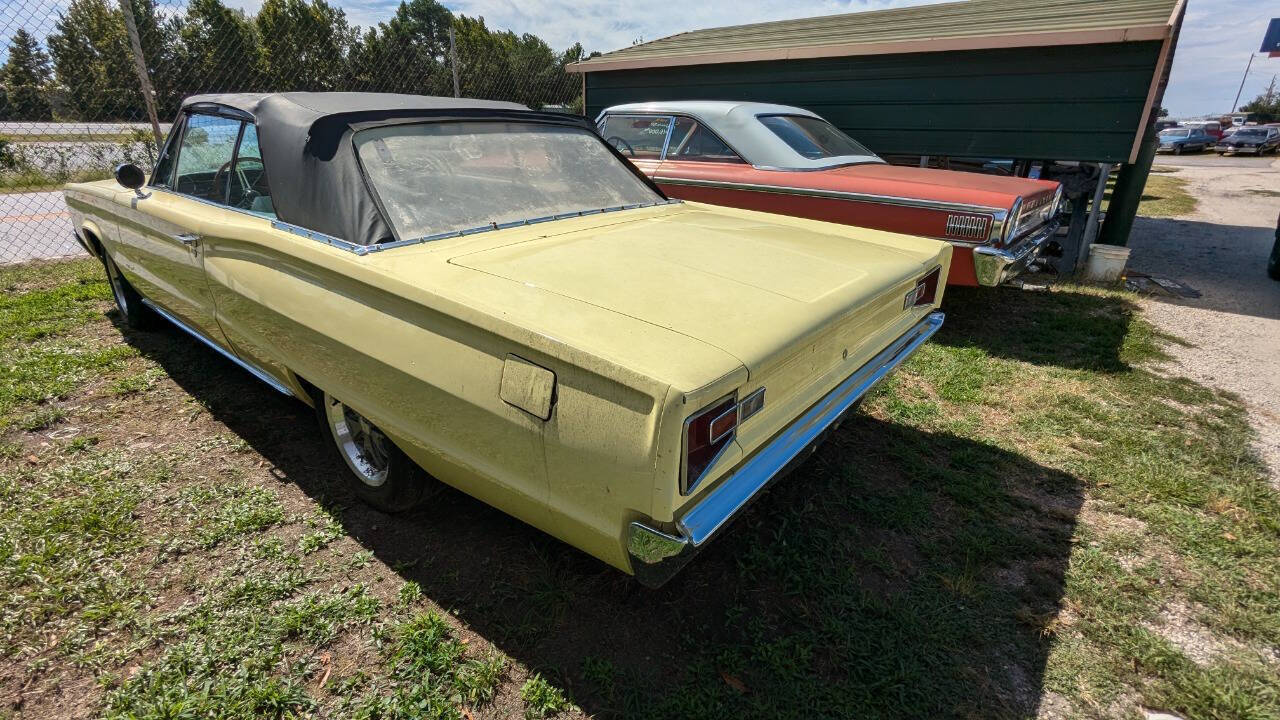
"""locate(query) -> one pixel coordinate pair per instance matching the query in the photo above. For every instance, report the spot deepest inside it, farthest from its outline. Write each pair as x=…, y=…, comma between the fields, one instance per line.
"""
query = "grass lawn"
x=76, y=137
x=1163, y=196
x=1030, y=517
x=26, y=181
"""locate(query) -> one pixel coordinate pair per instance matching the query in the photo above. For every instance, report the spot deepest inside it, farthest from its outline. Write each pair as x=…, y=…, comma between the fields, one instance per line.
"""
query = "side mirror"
x=131, y=176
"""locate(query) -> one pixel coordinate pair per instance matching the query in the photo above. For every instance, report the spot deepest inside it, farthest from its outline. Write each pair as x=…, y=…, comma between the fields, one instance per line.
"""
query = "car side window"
x=248, y=189
x=162, y=176
x=691, y=140
x=205, y=157
x=641, y=137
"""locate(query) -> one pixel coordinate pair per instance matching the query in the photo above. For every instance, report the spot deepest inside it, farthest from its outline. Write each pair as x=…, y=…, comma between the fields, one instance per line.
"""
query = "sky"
x=1217, y=35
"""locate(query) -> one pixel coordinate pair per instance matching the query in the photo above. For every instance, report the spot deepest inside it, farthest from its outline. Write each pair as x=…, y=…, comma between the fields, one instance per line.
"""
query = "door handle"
x=188, y=239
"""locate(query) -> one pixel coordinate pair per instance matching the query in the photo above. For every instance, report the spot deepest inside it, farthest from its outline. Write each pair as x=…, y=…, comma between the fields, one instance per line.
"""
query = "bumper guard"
x=995, y=265
x=656, y=555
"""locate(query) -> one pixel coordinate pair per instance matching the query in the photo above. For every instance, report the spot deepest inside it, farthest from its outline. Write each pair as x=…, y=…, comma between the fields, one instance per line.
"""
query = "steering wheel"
x=621, y=144
x=244, y=181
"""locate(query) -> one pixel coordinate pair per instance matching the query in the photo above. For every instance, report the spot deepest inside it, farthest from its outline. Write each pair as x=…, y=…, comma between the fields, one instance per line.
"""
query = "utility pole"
x=140, y=65
x=453, y=62
x=1235, y=105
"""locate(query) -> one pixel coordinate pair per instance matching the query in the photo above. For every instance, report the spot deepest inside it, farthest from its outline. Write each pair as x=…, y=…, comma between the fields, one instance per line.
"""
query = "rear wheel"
x=136, y=316
x=380, y=473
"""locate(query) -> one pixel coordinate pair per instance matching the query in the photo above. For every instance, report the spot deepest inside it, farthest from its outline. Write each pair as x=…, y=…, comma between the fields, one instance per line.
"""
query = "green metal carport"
x=1063, y=80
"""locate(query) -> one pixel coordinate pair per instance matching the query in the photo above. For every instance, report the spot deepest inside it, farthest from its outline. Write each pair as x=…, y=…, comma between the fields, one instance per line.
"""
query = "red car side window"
x=691, y=141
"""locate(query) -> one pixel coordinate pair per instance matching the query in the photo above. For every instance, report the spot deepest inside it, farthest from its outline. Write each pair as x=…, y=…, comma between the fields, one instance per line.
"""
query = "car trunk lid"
x=761, y=288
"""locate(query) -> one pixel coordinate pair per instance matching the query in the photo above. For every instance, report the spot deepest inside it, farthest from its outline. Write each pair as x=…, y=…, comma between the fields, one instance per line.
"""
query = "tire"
x=133, y=313
x=378, y=472
x=1273, y=264
x=1177, y=150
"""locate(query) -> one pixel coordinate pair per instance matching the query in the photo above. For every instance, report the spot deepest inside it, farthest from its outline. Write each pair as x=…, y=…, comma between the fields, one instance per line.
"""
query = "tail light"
x=925, y=291
x=708, y=433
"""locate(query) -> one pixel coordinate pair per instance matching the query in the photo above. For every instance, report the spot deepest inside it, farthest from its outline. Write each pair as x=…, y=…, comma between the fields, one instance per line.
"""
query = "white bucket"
x=1106, y=263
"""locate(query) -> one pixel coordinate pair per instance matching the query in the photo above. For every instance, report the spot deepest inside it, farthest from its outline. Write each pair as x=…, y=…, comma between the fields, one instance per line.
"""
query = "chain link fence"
x=88, y=84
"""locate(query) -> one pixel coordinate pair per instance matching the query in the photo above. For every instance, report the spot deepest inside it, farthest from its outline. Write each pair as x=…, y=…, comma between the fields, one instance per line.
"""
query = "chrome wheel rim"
x=117, y=289
x=361, y=444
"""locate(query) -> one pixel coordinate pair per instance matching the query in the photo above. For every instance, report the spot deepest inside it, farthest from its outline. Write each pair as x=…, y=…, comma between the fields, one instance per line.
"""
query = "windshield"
x=435, y=178
x=1175, y=132
x=814, y=138
x=1251, y=134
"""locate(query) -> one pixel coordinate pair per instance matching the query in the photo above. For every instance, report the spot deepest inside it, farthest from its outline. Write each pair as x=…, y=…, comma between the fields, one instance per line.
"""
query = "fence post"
x=140, y=65
x=453, y=62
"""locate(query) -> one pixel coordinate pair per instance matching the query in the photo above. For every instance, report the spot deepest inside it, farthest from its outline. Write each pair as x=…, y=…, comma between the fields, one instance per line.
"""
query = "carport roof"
x=972, y=25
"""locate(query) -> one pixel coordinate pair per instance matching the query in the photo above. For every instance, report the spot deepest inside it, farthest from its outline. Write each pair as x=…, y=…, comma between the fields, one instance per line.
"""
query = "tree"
x=24, y=77
x=501, y=65
x=304, y=44
x=218, y=50
x=410, y=53
x=93, y=61
x=1164, y=112
x=1266, y=107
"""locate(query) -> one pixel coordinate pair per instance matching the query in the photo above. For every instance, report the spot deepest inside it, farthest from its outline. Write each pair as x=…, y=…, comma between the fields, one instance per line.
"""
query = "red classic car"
x=790, y=161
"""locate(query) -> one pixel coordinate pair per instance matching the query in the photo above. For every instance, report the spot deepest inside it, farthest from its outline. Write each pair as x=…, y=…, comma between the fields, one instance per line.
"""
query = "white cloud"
x=1217, y=35
x=606, y=25
x=1213, y=50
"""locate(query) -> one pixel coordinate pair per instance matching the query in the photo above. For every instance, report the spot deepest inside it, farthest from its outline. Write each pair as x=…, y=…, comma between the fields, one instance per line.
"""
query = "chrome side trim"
x=656, y=555
x=253, y=370
x=204, y=201
x=993, y=266
x=999, y=213
x=275, y=223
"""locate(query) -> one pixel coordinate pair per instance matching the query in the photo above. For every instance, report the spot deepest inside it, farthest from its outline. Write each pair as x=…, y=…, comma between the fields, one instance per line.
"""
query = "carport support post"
x=1091, y=225
x=140, y=65
x=1128, y=193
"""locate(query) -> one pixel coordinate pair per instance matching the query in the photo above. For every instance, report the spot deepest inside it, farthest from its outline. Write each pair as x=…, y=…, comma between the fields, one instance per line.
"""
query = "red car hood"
x=931, y=184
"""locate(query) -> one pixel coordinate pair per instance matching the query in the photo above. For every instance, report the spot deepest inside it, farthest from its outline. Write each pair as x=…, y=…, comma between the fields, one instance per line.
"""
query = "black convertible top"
x=314, y=175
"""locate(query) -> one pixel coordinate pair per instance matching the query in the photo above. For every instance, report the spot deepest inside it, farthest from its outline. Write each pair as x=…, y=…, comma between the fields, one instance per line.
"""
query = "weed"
x=42, y=419
x=541, y=698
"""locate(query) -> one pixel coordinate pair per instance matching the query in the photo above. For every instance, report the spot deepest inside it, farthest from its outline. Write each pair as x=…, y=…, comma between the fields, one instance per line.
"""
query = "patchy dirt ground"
x=1233, y=330
x=1025, y=521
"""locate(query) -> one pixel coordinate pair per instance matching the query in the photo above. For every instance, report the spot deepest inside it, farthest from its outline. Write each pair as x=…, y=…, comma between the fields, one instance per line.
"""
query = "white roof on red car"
x=738, y=124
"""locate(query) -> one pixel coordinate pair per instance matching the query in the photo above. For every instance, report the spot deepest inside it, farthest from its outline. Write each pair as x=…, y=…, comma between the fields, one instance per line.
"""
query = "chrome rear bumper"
x=657, y=555
x=995, y=265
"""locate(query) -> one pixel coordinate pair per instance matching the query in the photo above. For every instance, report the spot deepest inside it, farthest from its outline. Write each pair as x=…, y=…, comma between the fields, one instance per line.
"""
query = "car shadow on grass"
x=896, y=573
x=1072, y=329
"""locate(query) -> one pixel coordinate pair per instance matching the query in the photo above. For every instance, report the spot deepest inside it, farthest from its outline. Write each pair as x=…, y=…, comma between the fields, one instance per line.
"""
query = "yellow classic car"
x=473, y=293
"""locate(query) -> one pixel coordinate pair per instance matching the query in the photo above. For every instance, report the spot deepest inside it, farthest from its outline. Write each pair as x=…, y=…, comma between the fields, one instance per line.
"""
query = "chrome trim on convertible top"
x=321, y=237
x=506, y=225
x=999, y=213
x=656, y=555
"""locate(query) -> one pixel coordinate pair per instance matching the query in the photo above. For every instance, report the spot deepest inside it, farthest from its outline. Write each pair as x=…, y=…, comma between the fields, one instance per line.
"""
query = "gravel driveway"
x=1221, y=250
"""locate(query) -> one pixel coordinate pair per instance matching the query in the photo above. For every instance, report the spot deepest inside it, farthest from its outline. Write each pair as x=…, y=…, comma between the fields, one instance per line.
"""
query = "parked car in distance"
x=492, y=297
x=1183, y=139
x=787, y=160
x=1212, y=128
x=1256, y=140
x=1165, y=124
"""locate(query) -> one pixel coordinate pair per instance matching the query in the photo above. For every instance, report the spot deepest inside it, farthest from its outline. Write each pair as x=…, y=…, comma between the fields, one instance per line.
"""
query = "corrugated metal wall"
x=1079, y=102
